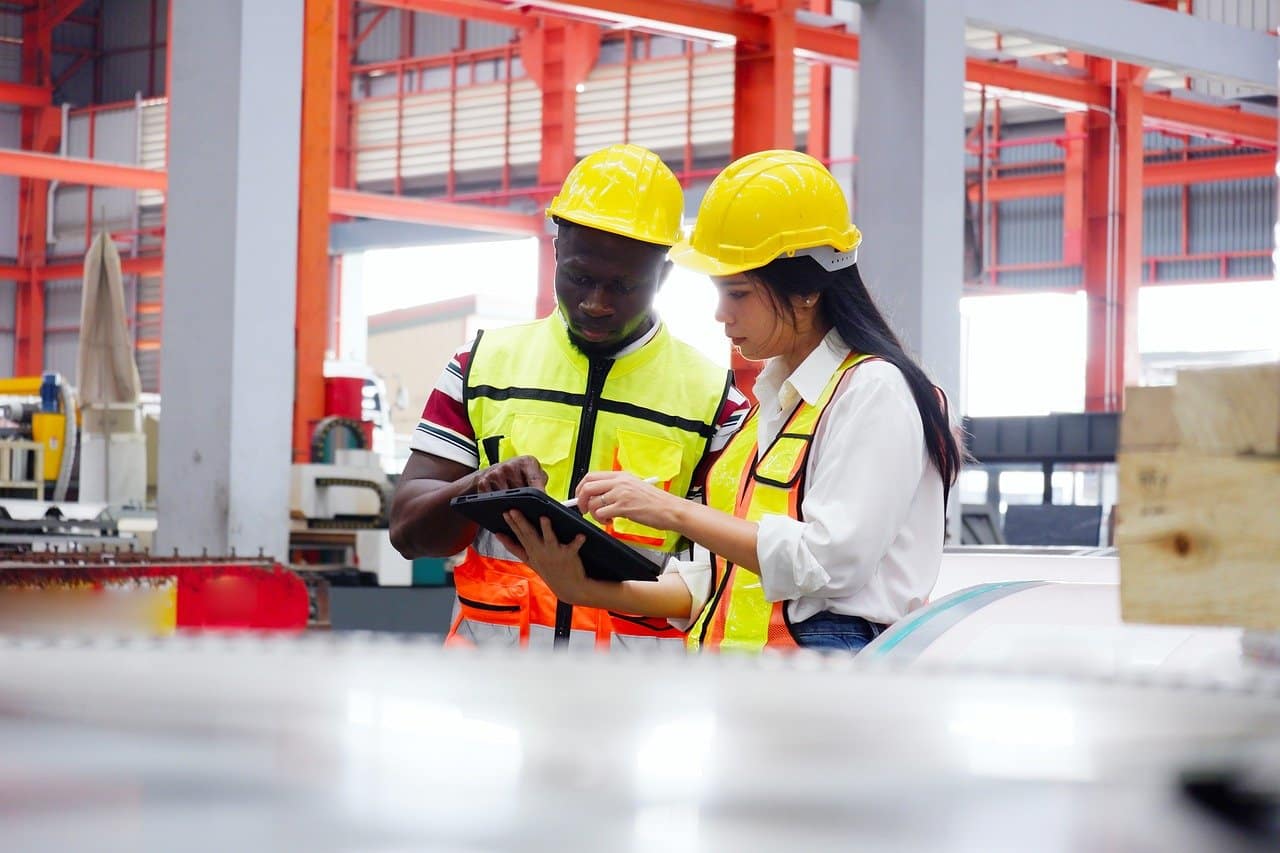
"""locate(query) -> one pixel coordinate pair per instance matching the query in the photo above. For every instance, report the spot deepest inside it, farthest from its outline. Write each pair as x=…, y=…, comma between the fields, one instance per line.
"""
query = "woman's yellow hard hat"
x=767, y=205
x=625, y=190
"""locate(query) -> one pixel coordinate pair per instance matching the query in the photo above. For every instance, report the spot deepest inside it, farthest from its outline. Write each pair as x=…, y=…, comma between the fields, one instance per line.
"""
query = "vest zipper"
x=597, y=372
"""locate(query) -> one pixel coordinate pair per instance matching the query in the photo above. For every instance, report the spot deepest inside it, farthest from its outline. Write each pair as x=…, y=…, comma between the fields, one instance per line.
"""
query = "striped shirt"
x=445, y=429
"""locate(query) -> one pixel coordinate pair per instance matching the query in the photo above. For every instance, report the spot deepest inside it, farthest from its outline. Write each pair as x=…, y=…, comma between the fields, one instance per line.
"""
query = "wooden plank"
x=1199, y=539
x=1148, y=422
x=1230, y=410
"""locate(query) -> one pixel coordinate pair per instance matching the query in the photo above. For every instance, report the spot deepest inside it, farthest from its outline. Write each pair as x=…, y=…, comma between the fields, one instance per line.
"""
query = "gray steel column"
x=909, y=179
x=230, y=276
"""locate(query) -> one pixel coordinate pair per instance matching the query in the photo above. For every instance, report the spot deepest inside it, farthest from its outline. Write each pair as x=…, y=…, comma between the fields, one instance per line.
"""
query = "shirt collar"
x=633, y=347
x=810, y=379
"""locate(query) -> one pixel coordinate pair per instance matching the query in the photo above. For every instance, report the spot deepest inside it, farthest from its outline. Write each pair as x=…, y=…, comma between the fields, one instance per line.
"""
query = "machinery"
x=37, y=436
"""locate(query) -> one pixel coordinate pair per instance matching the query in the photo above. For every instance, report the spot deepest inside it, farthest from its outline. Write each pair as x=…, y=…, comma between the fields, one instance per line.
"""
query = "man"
x=598, y=385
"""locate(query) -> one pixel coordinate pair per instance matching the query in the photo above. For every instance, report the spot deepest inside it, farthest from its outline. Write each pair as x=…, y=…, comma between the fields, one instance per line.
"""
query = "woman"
x=825, y=514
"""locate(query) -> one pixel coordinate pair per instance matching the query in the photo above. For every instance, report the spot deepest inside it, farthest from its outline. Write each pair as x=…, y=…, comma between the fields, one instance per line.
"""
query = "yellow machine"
x=40, y=406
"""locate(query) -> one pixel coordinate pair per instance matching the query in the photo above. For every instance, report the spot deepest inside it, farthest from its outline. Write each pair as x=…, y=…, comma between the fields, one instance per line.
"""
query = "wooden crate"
x=1229, y=410
x=1199, y=539
x=1198, y=520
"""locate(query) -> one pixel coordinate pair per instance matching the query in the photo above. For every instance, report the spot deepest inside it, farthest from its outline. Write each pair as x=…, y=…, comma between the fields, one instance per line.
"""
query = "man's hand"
x=512, y=474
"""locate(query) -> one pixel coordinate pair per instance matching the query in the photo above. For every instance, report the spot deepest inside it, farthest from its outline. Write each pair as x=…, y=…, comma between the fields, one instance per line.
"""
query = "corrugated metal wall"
x=62, y=326
x=8, y=306
x=1261, y=15
x=131, y=67
x=661, y=97
x=1222, y=218
x=115, y=136
x=430, y=35
x=10, y=137
x=132, y=43
x=10, y=45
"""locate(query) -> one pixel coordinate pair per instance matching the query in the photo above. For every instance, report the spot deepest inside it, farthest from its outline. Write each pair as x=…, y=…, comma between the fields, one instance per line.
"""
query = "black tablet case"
x=603, y=557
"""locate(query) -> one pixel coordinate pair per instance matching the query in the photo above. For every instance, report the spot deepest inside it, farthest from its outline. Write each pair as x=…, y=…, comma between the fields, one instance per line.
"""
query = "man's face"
x=605, y=286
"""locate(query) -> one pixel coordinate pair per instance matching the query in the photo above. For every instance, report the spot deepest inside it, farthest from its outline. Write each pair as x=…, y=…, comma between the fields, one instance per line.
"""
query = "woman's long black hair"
x=848, y=307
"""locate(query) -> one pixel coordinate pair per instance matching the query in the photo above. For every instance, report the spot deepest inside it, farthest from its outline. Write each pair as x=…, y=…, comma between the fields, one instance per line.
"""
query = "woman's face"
x=751, y=319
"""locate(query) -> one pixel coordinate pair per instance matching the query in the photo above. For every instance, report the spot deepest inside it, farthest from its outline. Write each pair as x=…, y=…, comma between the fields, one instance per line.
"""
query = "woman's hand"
x=615, y=494
x=558, y=565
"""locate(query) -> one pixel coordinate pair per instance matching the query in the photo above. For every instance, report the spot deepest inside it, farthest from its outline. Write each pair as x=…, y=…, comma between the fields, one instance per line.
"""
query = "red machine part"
x=256, y=596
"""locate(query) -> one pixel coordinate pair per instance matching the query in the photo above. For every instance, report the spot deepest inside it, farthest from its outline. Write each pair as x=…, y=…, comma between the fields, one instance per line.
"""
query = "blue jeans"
x=835, y=631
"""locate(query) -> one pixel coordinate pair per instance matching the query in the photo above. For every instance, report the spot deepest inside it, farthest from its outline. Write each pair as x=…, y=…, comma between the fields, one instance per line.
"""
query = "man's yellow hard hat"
x=768, y=205
x=625, y=190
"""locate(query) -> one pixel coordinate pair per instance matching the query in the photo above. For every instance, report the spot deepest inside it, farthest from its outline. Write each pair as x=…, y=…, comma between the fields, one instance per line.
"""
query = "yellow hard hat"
x=767, y=205
x=626, y=190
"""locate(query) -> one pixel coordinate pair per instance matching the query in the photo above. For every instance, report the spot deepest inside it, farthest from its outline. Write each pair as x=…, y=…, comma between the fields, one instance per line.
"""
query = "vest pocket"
x=550, y=441
x=646, y=456
x=492, y=598
x=784, y=461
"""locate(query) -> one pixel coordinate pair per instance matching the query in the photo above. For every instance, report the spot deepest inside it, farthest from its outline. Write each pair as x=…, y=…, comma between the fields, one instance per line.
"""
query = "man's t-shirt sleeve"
x=445, y=430
x=733, y=411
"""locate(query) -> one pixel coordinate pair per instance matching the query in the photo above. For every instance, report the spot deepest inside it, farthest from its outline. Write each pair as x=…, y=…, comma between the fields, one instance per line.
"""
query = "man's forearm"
x=423, y=525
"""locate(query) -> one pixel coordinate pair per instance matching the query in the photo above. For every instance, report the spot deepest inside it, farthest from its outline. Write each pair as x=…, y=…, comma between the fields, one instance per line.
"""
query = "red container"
x=344, y=396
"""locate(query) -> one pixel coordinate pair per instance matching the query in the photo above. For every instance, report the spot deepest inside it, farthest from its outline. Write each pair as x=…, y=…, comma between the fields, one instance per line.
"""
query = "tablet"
x=604, y=557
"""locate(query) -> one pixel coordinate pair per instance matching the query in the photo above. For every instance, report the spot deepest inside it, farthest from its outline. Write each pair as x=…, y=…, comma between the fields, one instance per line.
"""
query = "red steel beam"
x=1204, y=170
x=679, y=18
x=425, y=211
x=320, y=40
x=76, y=170
x=819, y=142
x=829, y=45
x=1011, y=77
x=58, y=12
x=147, y=265
x=24, y=94
x=474, y=10
x=1113, y=238
x=1228, y=123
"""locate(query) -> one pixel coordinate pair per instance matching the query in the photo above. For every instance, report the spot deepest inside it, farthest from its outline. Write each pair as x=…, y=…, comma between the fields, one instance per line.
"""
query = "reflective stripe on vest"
x=738, y=616
x=529, y=391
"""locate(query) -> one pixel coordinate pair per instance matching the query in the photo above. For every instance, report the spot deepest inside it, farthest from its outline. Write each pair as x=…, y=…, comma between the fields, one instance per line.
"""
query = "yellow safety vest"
x=750, y=485
x=529, y=391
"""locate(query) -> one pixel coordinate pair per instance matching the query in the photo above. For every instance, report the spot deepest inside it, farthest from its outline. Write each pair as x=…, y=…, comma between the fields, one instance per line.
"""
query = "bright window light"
x=687, y=302
x=1237, y=316
x=503, y=275
x=1023, y=354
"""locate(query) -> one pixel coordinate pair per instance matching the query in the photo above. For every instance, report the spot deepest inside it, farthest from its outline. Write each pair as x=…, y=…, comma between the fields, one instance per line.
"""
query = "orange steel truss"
x=557, y=44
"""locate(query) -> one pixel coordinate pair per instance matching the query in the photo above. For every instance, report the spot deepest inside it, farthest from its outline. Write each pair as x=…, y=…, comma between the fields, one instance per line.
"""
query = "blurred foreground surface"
x=374, y=744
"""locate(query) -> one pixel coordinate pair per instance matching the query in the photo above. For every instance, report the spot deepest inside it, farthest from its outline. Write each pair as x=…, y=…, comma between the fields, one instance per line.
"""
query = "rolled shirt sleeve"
x=866, y=464
x=696, y=574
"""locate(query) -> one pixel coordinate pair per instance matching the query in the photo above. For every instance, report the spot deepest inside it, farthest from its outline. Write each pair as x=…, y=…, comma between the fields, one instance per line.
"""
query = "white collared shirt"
x=870, y=543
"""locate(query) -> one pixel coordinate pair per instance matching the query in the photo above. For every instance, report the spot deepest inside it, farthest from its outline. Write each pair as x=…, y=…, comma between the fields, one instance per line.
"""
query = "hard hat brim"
x=602, y=223
x=684, y=255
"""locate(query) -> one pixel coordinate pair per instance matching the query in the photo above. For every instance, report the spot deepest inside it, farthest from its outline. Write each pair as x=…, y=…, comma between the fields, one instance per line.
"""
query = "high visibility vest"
x=750, y=485
x=529, y=391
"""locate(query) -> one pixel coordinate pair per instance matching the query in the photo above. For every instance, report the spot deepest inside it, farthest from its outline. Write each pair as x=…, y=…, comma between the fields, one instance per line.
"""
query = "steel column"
x=231, y=271
x=41, y=129
x=763, y=108
x=819, y=141
x=1074, y=155
x=910, y=193
x=558, y=55
x=319, y=48
x=1113, y=234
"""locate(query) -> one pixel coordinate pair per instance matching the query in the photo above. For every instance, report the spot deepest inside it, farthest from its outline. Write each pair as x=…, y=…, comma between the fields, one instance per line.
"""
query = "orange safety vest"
x=749, y=484
x=652, y=413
